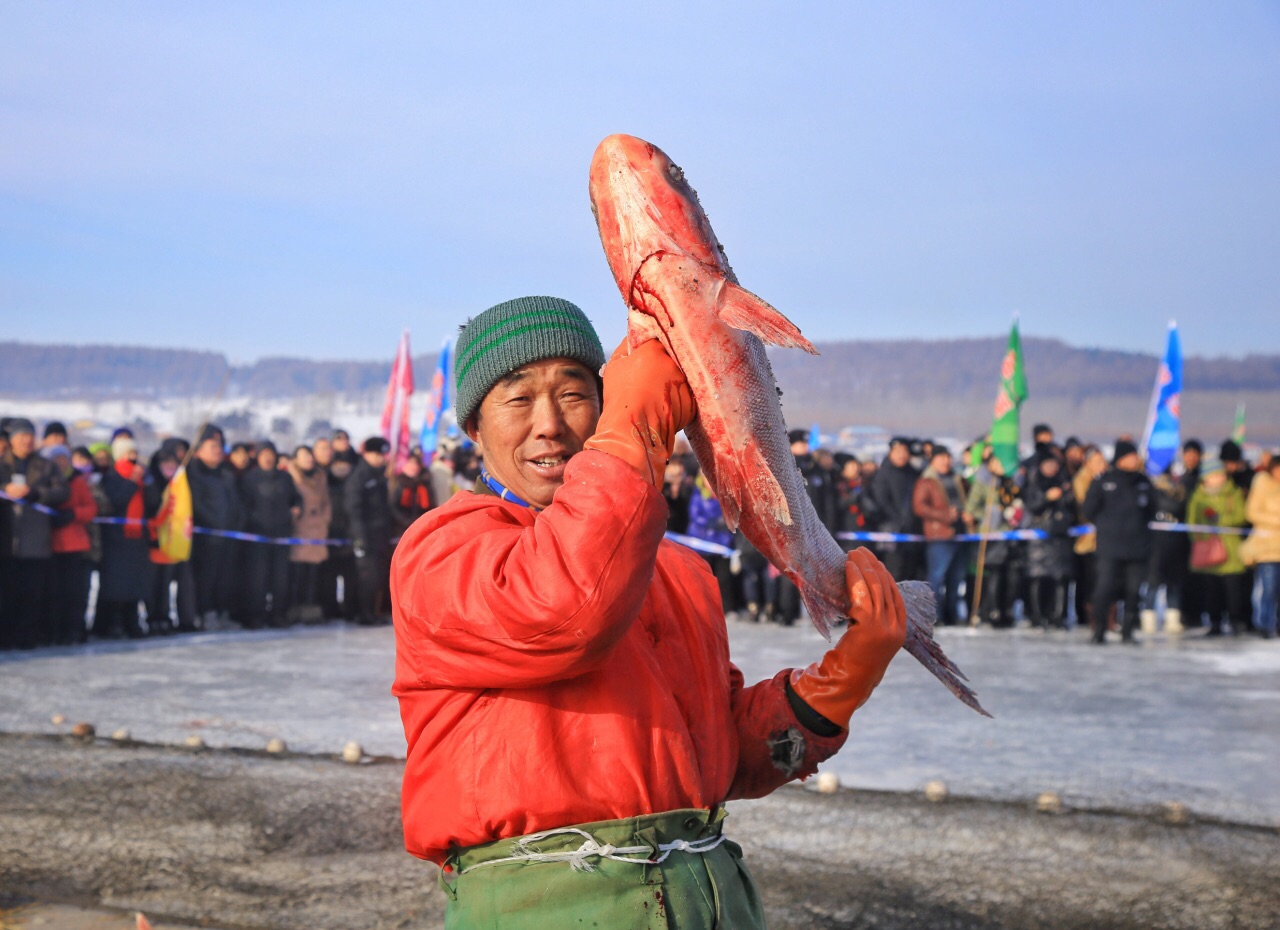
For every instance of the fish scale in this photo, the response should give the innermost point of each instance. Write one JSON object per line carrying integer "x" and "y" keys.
{"x": 679, "y": 289}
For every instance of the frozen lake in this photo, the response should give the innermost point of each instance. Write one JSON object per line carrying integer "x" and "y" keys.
{"x": 1191, "y": 720}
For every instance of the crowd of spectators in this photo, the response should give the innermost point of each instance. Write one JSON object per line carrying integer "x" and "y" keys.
{"x": 279, "y": 538}
{"x": 1095, "y": 562}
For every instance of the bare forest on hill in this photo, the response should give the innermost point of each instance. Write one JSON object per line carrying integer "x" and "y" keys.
{"x": 926, "y": 387}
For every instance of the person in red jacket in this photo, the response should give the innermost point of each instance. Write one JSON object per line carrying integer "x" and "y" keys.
{"x": 71, "y": 545}
{"x": 574, "y": 724}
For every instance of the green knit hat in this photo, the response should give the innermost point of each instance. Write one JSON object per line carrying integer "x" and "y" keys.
{"x": 513, "y": 334}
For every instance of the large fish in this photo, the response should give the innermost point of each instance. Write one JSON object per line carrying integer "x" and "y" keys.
{"x": 679, "y": 289}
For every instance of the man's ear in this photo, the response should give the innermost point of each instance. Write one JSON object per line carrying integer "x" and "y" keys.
{"x": 472, "y": 429}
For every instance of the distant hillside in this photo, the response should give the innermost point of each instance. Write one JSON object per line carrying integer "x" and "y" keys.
{"x": 51, "y": 371}
{"x": 947, "y": 387}
{"x": 927, "y": 387}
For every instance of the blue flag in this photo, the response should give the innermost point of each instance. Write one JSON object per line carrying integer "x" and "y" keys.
{"x": 437, "y": 403}
{"x": 815, "y": 438}
{"x": 1165, "y": 418}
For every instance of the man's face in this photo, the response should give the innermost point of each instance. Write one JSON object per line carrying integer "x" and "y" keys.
{"x": 323, "y": 454}
{"x": 376, "y": 459}
{"x": 209, "y": 453}
{"x": 900, "y": 454}
{"x": 22, "y": 444}
{"x": 267, "y": 459}
{"x": 55, "y": 439}
{"x": 941, "y": 463}
{"x": 800, "y": 447}
{"x": 531, "y": 424}
{"x": 851, "y": 473}
{"x": 341, "y": 442}
{"x": 1129, "y": 462}
{"x": 1190, "y": 459}
{"x": 240, "y": 458}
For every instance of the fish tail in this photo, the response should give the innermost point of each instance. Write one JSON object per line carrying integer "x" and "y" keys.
{"x": 920, "y": 643}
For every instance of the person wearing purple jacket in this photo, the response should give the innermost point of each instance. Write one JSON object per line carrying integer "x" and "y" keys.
{"x": 706, "y": 522}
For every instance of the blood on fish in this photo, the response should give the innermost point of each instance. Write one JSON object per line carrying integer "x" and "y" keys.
{"x": 665, "y": 256}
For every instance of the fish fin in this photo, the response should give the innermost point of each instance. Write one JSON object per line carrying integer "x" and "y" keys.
{"x": 731, "y": 510}
{"x": 823, "y": 611}
{"x": 742, "y": 309}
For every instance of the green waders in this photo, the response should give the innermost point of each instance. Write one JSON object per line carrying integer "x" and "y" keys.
{"x": 497, "y": 887}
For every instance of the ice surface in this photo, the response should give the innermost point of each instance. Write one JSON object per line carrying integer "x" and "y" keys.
{"x": 1196, "y": 720}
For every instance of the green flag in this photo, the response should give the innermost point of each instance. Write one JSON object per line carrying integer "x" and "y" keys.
{"x": 1237, "y": 430}
{"x": 1013, "y": 391}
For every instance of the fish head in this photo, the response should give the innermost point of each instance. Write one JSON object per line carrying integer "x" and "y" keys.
{"x": 643, "y": 204}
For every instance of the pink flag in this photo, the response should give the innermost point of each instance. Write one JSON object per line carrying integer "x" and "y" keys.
{"x": 395, "y": 412}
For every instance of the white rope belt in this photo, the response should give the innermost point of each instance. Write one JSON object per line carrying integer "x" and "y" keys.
{"x": 579, "y": 858}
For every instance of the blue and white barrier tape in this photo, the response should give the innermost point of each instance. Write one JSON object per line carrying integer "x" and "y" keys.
{"x": 693, "y": 542}
{"x": 701, "y": 545}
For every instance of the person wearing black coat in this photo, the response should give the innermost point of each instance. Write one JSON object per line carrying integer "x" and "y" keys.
{"x": 215, "y": 502}
{"x": 892, "y": 490}
{"x": 271, "y": 502}
{"x": 1051, "y": 505}
{"x": 341, "y": 563}
{"x": 26, "y": 537}
{"x": 369, "y": 516}
{"x": 1120, "y": 505}
{"x": 125, "y": 574}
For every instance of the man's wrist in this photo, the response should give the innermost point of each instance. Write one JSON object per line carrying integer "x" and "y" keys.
{"x": 806, "y": 716}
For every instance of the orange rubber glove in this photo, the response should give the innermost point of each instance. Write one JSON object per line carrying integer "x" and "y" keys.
{"x": 646, "y": 402}
{"x": 849, "y": 672}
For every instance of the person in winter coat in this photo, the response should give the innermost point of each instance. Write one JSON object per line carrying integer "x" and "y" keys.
{"x": 27, "y": 544}
{"x": 1120, "y": 505}
{"x": 1169, "y": 556}
{"x": 939, "y": 500}
{"x": 995, "y": 506}
{"x": 1219, "y": 502}
{"x": 312, "y": 522}
{"x": 706, "y": 522}
{"x": 1051, "y": 508}
{"x": 1086, "y": 545}
{"x": 271, "y": 505}
{"x": 171, "y": 606}
{"x": 215, "y": 502}
{"x": 369, "y": 512}
{"x": 563, "y": 671}
{"x": 71, "y": 568}
{"x": 677, "y": 488}
{"x": 338, "y": 571}
{"x": 1262, "y": 548}
{"x": 410, "y": 494}
{"x": 125, "y": 575}
{"x": 891, "y": 490}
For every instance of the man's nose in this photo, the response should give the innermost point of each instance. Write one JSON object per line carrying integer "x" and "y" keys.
{"x": 548, "y": 418}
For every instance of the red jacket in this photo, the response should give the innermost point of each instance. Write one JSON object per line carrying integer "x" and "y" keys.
{"x": 74, "y": 537}
{"x": 570, "y": 667}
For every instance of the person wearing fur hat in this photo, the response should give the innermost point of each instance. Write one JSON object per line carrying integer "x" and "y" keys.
{"x": 27, "y": 540}
{"x": 1120, "y": 505}
{"x": 572, "y": 716}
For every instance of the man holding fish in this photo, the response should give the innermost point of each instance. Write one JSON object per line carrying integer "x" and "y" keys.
{"x": 574, "y": 723}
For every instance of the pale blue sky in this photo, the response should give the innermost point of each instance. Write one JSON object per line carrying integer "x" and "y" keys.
{"x": 311, "y": 178}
